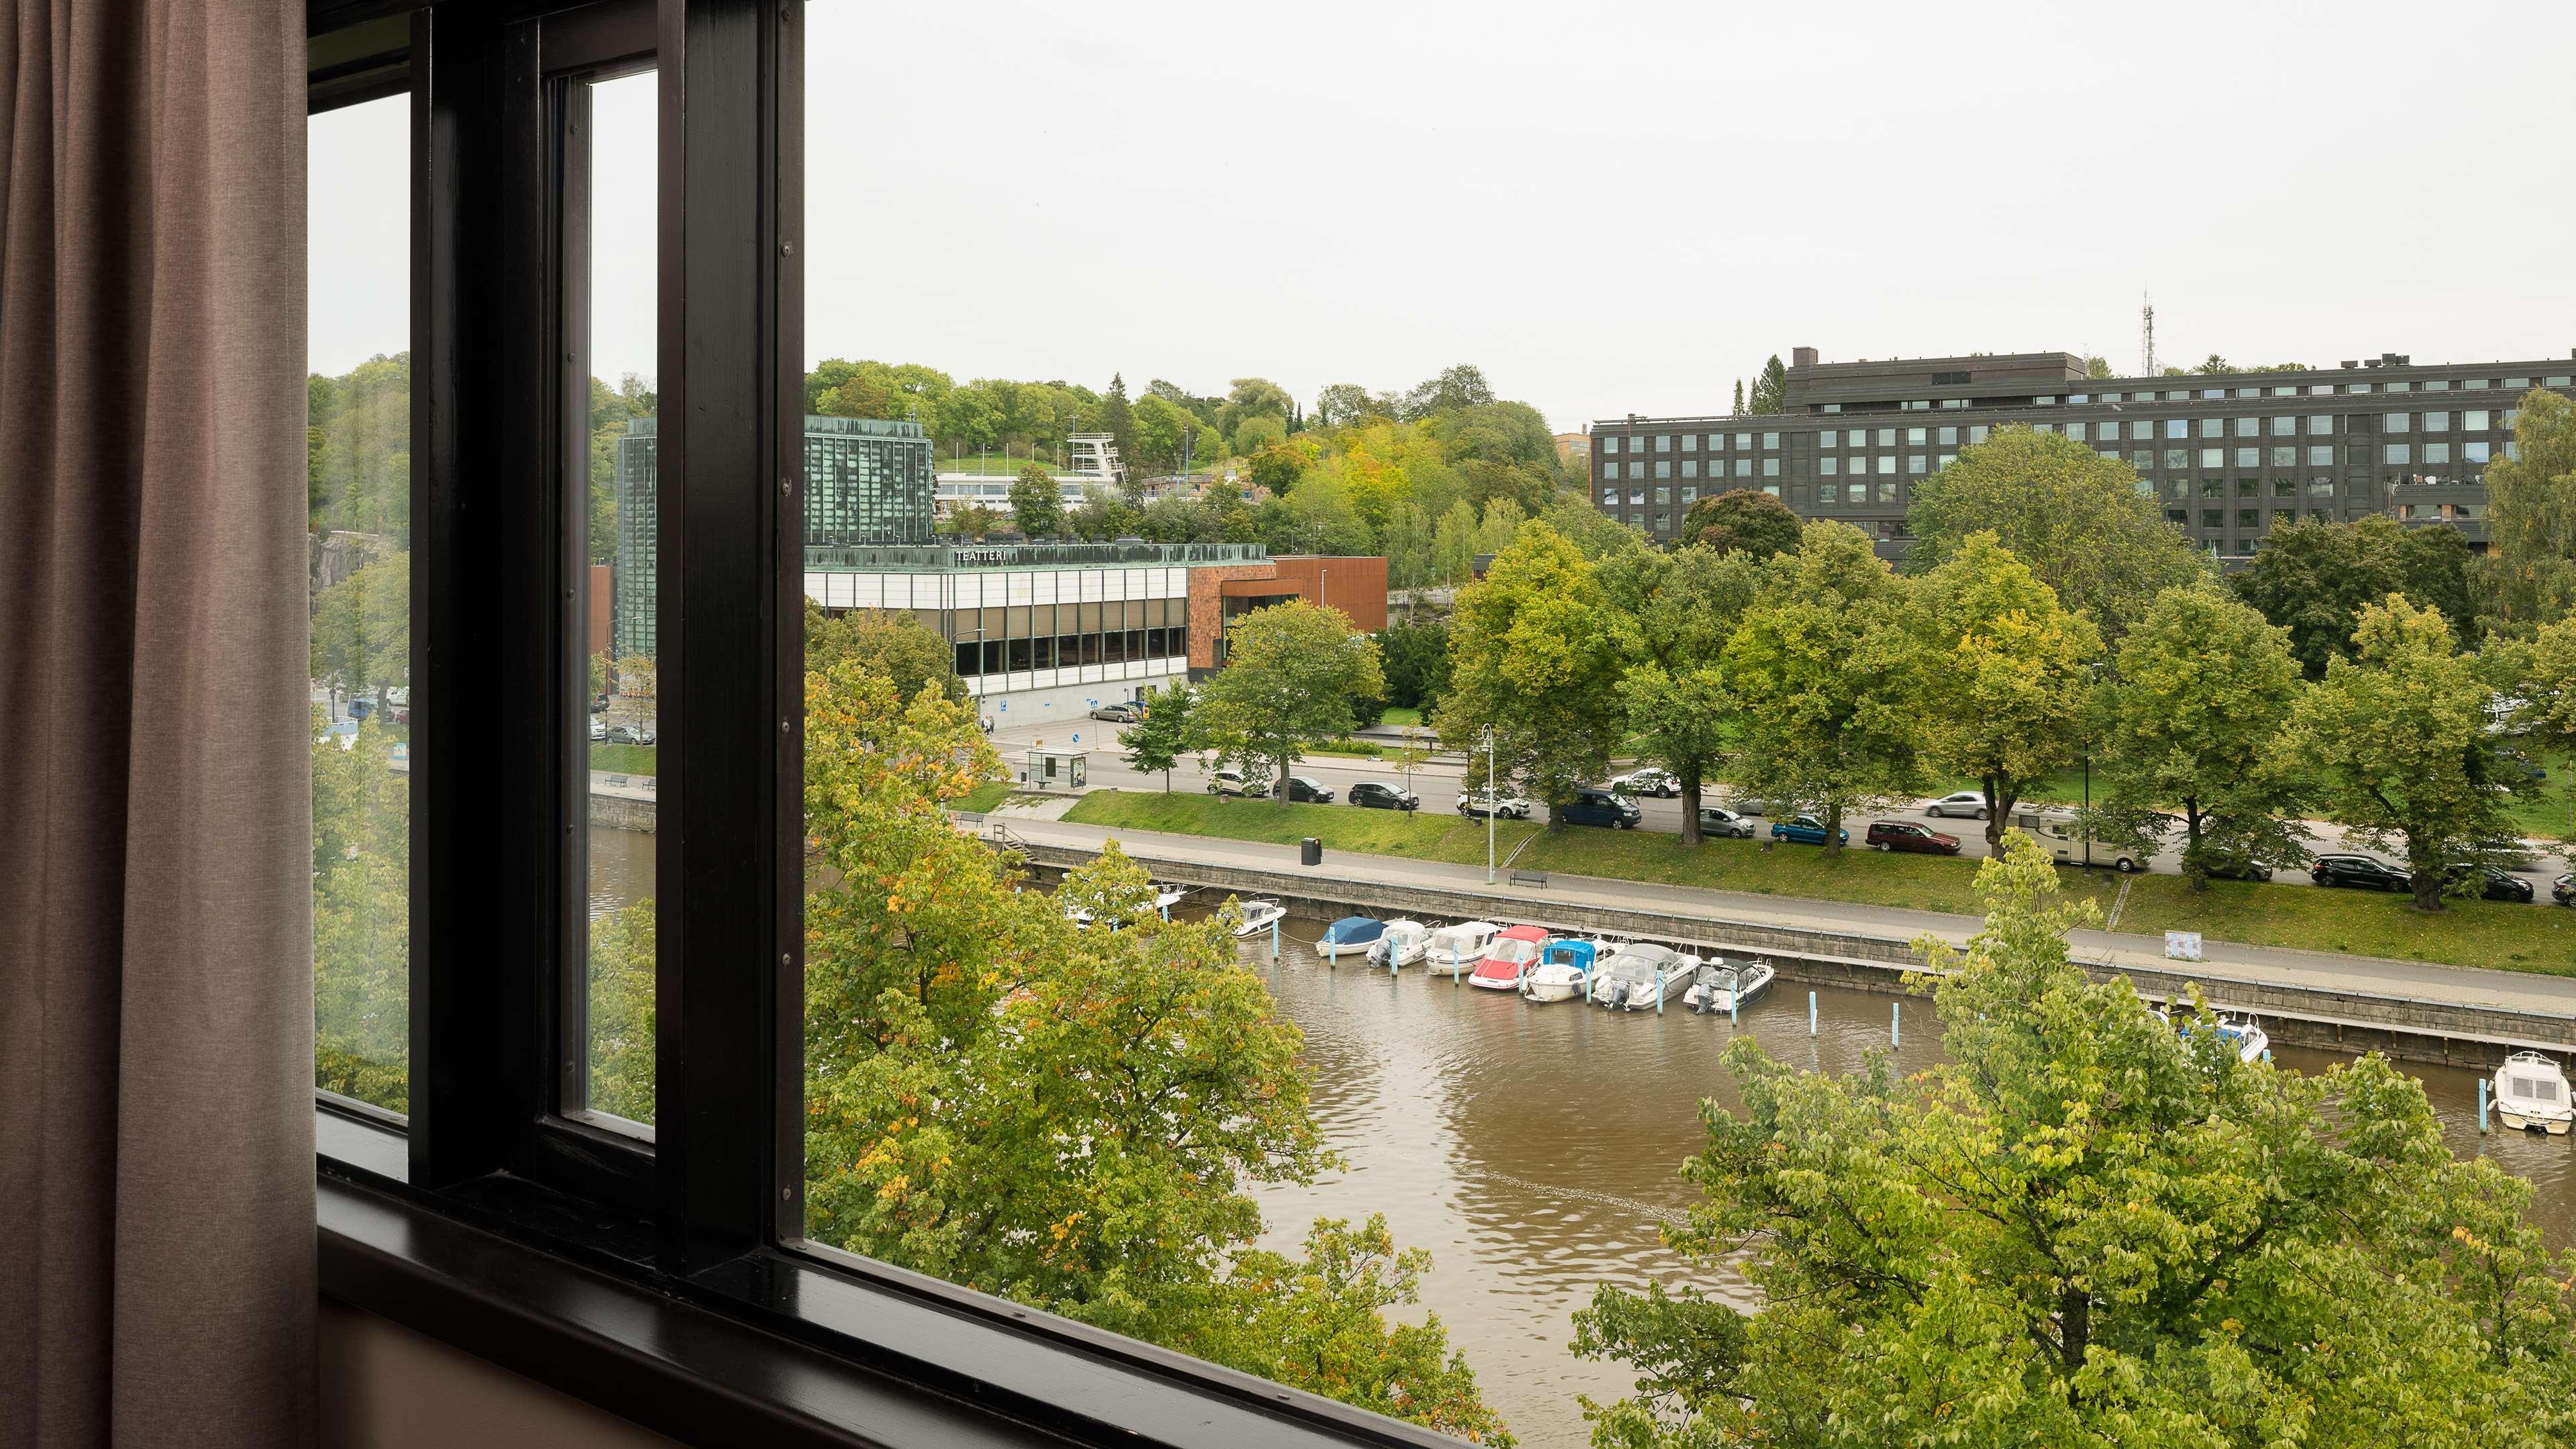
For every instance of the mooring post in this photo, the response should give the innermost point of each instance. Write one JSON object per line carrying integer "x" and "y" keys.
{"x": 1274, "y": 940}
{"x": 1735, "y": 1004}
{"x": 1659, "y": 991}
{"x": 2482, "y": 1106}
{"x": 1896, "y": 1023}
{"x": 1811, "y": 1013}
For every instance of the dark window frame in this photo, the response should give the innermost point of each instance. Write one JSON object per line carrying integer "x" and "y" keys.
{"x": 665, "y": 1281}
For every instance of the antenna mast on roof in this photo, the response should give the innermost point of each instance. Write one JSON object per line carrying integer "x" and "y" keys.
{"x": 2146, "y": 337}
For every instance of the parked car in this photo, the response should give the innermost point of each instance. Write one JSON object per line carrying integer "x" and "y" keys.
{"x": 1306, "y": 789}
{"x": 1122, "y": 712}
{"x": 1807, "y": 830}
{"x": 2226, "y": 866}
{"x": 1906, "y": 835}
{"x": 1231, "y": 781}
{"x": 2524, "y": 765}
{"x": 1371, "y": 795}
{"x": 598, "y": 704}
{"x": 1651, "y": 780}
{"x": 1748, "y": 805}
{"x": 1501, "y": 807}
{"x": 2492, "y": 883}
{"x": 598, "y": 729}
{"x": 1724, "y": 824}
{"x": 1593, "y": 805}
{"x": 2359, "y": 871}
{"x": 1966, "y": 804}
{"x": 360, "y": 708}
{"x": 2563, "y": 890}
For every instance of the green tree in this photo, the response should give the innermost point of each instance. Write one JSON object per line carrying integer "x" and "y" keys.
{"x": 1456, "y": 389}
{"x": 1290, "y": 670}
{"x": 1770, "y": 389}
{"x": 1681, "y": 607}
{"x": 1118, "y": 418}
{"x": 1820, "y": 671}
{"x": 2314, "y": 579}
{"x": 2192, "y": 720}
{"x": 358, "y": 446}
{"x": 1999, "y": 674}
{"x": 620, "y": 1027}
{"x": 1104, "y": 514}
{"x": 2082, "y": 1228}
{"x": 362, "y": 628}
{"x": 2398, "y": 744}
{"x": 1253, "y": 397}
{"x": 893, "y": 644}
{"x": 1162, "y": 427}
{"x": 361, "y": 916}
{"x": 1037, "y": 504}
{"x": 2078, "y": 520}
{"x": 1406, "y": 541}
{"x": 2530, "y": 575}
{"x": 2097, "y": 368}
{"x": 973, "y": 521}
{"x": 1745, "y": 519}
{"x": 1416, "y": 661}
{"x": 1257, "y": 432}
{"x": 1453, "y": 544}
{"x": 1535, "y": 654}
{"x": 1738, "y": 409}
{"x": 1156, "y": 742}
{"x": 1277, "y": 466}
{"x": 1343, "y": 403}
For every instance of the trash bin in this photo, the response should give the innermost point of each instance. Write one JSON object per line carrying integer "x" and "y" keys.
{"x": 1310, "y": 851}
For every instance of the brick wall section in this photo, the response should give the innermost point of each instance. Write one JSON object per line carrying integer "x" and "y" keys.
{"x": 1207, "y": 606}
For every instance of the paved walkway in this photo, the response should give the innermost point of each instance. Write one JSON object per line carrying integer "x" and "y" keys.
{"x": 2416, "y": 980}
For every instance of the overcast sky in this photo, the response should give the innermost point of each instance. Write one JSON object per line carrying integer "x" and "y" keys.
{"x": 1620, "y": 208}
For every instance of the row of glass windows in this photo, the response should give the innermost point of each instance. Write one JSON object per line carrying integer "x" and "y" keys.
{"x": 1690, "y": 468}
{"x": 1663, "y": 442}
{"x": 2285, "y": 425}
{"x": 2278, "y": 455}
{"x": 2323, "y": 389}
{"x": 1065, "y": 651}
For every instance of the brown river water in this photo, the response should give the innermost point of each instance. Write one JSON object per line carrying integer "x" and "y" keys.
{"x": 1533, "y": 1149}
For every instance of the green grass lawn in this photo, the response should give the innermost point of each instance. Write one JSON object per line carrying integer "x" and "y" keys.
{"x": 990, "y": 464}
{"x": 2538, "y": 937}
{"x": 983, "y": 797}
{"x": 1347, "y": 749}
{"x": 1397, "y": 717}
{"x": 623, "y": 759}
{"x": 1419, "y": 835}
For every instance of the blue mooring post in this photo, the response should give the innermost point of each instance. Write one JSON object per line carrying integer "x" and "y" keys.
{"x": 1274, "y": 940}
{"x": 2482, "y": 1106}
{"x": 1735, "y": 1004}
{"x": 1896, "y": 1023}
{"x": 1659, "y": 991}
{"x": 1811, "y": 1013}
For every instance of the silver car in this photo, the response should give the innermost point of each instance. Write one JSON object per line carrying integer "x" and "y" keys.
{"x": 1723, "y": 823}
{"x": 1967, "y": 804}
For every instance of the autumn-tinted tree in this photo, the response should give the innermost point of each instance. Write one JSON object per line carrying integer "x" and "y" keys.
{"x": 2314, "y": 579}
{"x": 1820, "y": 673}
{"x": 1536, "y": 653}
{"x": 2531, "y": 517}
{"x": 2075, "y": 518}
{"x": 1999, "y": 671}
{"x": 2082, "y": 1227}
{"x": 1745, "y": 520}
{"x": 2396, "y": 740}
{"x": 2190, "y": 722}
{"x": 895, "y": 645}
{"x": 1290, "y": 672}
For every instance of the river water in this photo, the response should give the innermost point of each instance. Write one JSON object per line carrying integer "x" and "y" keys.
{"x": 1533, "y": 1149}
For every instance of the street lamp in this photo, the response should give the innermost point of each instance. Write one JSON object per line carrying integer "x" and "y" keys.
{"x": 1492, "y": 804}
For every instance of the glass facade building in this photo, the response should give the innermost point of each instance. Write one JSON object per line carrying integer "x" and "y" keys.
{"x": 631, "y": 628}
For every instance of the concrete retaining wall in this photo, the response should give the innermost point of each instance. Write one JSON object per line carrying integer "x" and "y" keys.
{"x": 2349, "y": 1021}
{"x": 620, "y": 812}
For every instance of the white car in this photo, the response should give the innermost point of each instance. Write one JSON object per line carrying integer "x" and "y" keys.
{"x": 1966, "y": 804}
{"x": 1231, "y": 781}
{"x": 598, "y": 729}
{"x": 1504, "y": 807}
{"x": 1649, "y": 781}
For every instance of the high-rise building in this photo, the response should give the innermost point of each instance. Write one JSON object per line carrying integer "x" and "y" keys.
{"x": 867, "y": 482}
{"x": 2224, "y": 455}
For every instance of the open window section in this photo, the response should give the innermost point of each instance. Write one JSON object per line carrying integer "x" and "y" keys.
{"x": 610, "y": 192}
{"x": 358, "y": 491}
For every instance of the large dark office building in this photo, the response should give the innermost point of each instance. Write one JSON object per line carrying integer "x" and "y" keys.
{"x": 2224, "y": 455}
{"x": 868, "y": 481}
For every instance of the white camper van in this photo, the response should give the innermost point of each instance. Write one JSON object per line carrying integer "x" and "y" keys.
{"x": 2061, "y": 834}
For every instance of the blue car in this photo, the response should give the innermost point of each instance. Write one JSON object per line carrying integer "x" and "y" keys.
{"x": 1807, "y": 830}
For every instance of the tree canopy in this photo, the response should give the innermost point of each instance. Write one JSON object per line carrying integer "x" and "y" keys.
{"x": 1745, "y": 520}
{"x": 2084, "y": 1228}
{"x": 1290, "y": 671}
{"x": 2314, "y": 579}
{"x": 2531, "y": 516}
{"x": 1536, "y": 653}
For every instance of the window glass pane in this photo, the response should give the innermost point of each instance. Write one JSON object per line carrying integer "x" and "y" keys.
{"x": 616, "y": 615}
{"x": 358, "y": 491}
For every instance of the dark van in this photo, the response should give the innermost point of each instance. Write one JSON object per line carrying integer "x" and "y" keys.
{"x": 1594, "y": 806}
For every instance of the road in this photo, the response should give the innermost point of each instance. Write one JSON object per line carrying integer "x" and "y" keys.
{"x": 1439, "y": 786}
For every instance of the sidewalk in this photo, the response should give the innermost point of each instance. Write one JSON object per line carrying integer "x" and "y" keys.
{"x": 2317, "y": 970}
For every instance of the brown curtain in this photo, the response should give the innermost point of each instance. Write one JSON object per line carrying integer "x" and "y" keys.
{"x": 156, "y": 1153}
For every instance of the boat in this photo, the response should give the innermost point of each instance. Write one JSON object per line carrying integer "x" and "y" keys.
{"x": 1401, "y": 946}
{"x": 2531, "y": 1095}
{"x": 1259, "y": 916}
{"x": 1349, "y": 936}
{"x": 1455, "y": 950}
{"x": 2243, "y": 1034}
{"x": 1728, "y": 986}
{"x": 1513, "y": 951}
{"x": 1642, "y": 977}
{"x": 1166, "y": 897}
{"x": 1564, "y": 968}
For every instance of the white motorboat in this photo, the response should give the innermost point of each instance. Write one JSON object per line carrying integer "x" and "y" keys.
{"x": 2531, "y": 1095}
{"x": 2240, "y": 1031}
{"x": 1642, "y": 977}
{"x": 1728, "y": 986}
{"x": 1401, "y": 946}
{"x": 1455, "y": 950}
{"x": 1166, "y": 897}
{"x": 1564, "y": 965}
{"x": 1259, "y": 916}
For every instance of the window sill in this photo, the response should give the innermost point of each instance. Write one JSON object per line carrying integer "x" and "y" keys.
{"x": 772, "y": 1347}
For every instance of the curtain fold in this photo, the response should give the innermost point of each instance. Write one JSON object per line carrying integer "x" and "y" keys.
{"x": 156, "y": 1155}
